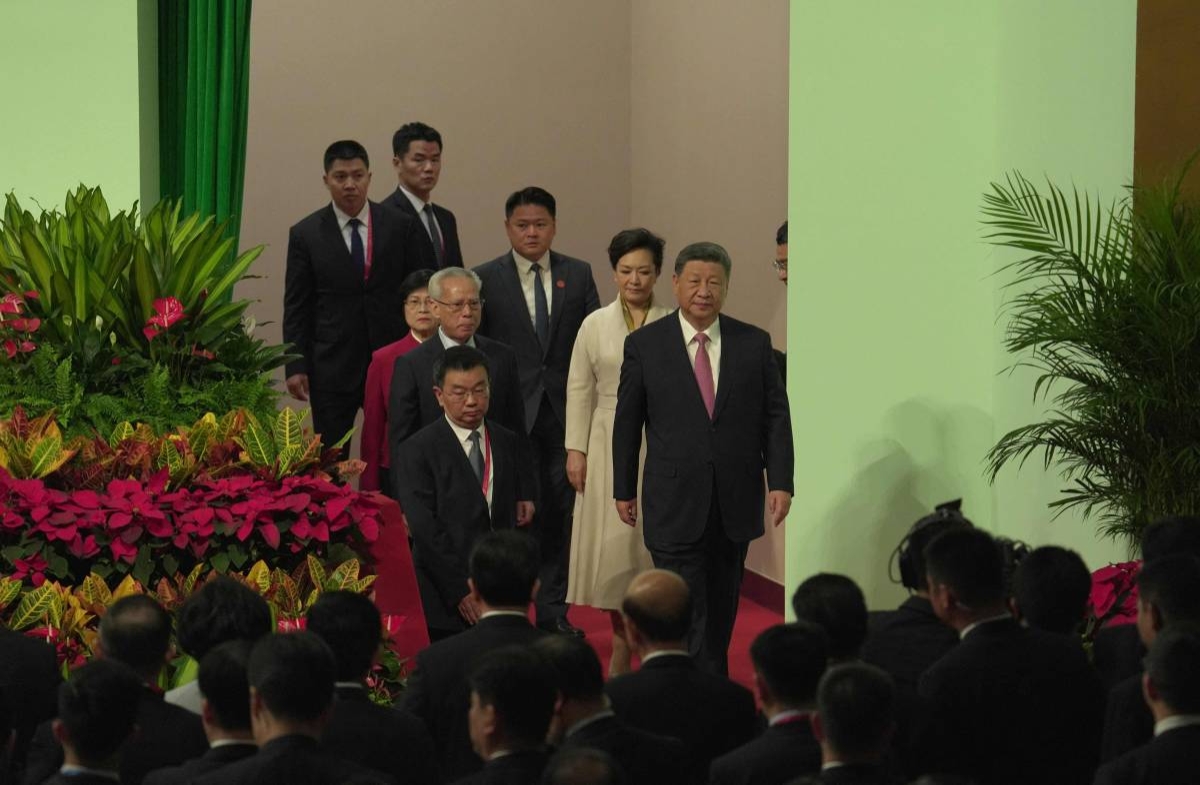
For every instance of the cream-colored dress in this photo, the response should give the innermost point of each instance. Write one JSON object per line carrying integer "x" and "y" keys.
{"x": 605, "y": 553}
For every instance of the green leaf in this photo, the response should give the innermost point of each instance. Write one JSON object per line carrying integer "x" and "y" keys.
{"x": 46, "y": 456}
{"x": 258, "y": 444}
{"x": 33, "y": 607}
{"x": 123, "y": 431}
{"x": 316, "y": 571}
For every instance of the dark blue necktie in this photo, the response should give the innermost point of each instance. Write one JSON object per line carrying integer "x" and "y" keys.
{"x": 541, "y": 313}
{"x": 357, "y": 253}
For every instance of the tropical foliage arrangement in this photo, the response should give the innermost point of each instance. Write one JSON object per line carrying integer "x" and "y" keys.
{"x": 1104, "y": 305}
{"x": 107, "y": 318}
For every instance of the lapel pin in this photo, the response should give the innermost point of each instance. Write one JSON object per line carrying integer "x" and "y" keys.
{"x": 561, "y": 284}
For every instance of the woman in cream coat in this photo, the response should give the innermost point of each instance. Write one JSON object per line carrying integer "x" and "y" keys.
{"x": 605, "y": 553}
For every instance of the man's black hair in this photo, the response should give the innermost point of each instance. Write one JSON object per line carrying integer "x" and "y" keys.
{"x": 293, "y": 673}
{"x": 351, "y": 626}
{"x": 98, "y": 706}
{"x": 1052, "y": 586}
{"x": 531, "y": 195}
{"x": 504, "y": 567}
{"x": 835, "y": 604}
{"x": 459, "y": 358}
{"x": 781, "y": 234}
{"x": 1173, "y": 534}
{"x": 574, "y": 664}
{"x": 224, "y": 685}
{"x": 512, "y": 679}
{"x": 1171, "y": 667}
{"x": 222, "y": 610}
{"x": 345, "y": 150}
{"x": 791, "y": 659}
{"x": 1172, "y": 585}
{"x": 136, "y": 631}
{"x": 970, "y": 562}
{"x": 583, "y": 766}
{"x": 856, "y": 702}
{"x": 413, "y": 132}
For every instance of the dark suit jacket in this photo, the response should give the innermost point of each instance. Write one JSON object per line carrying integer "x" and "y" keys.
{"x": 506, "y": 319}
{"x": 519, "y": 768}
{"x": 447, "y": 225}
{"x": 446, "y": 509}
{"x": 778, "y": 755}
{"x": 412, "y": 404}
{"x": 215, "y": 758}
{"x": 294, "y": 760}
{"x": 645, "y": 757}
{"x": 384, "y": 739}
{"x": 1010, "y": 704}
{"x": 1128, "y": 721}
{"x": 29, "y": 678}
{"x": 689, "y": 457}
{"x": 167, "y": 736}
{"x": 437, "y": 690}
{"x": 852, "y": 774}
{"x": 1172, "y": 758}
{"x": 906, "y": 641}
{"x": 332, "y": 317}
{"x": 79, "y": 779}
{"x": 1118, "y": 652}
{"x": 670, "y": 696}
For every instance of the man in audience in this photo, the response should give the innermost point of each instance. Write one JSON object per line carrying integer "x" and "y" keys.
{"x": 291, "y": 680}
{"x": 503, "y": 578}
{"x": 456, "y": 479}
{"x": 1168, "y": 594}
{"x": 417, "y": 158}
{"x": 583, "y": 718}
{"x": 534, "y": 301}
{"x": 789, "y": 660}
{"x": 781, "y": 269}
{"x": 854, "y": 723}
{"x": 225, "y": 712}
{"x": 585, "y": 766}
{"x": 29, "y": 679}
{"x": 136, "y": 632}
{"x": 341, "y": 295}
{"x": 836, "y": 605}
{"x": 222, "y": 610}
{"x": 412, "y": 404}
{"x": 1051, "y": 590}
{"x": 512, "y": 702}
{"x": 1008, "y": 704}
{"x": 97, "y": 714}
{"x": 384, "y": 739}
{"x": 670, "y": 695}
{"x": 1172, "y": 690}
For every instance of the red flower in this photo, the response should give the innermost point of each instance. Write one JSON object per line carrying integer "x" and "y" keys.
{"x": 33, "y": 568}
{"x": 204, "y": 353}
{"x": 11, "y": 303}
{"x": 1110, "y": 584}
{"x": 167, "y": 311}
{"x": 123, "y": 551}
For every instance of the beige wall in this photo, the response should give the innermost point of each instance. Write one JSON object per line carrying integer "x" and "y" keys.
{"x": 667, "y": 113}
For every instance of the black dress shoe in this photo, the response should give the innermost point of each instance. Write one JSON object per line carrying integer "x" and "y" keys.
{"x": 562, "y": 627}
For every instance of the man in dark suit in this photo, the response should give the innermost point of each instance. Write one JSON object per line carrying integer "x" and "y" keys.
{"x": 504, "y": 569}
{"x": 789, "y": 660}
{"x": 291, "y": 695}
{"x": 670, "y": 695}
{"x": 29, "y": 679}
{"x": 341, "y": 296}
{"x": 412, "y": 403}
{"x": 512, "y": 702}
{"x": 534, "y": 301}
{"x": 584, "y": 766}
{"x": 417, "y": 158}
{"x": 1172, "y": 690}
{"x": 706, "y": 390}
{"x": 97, "y": 714}
{"x": 1051, "y": 588}
{"x": 456, "y": 479}
{"x": 781, "y": 269}
{"x": 383, "y": 738}
{"x": 136, "y": 632}
{"x": 1168, "y": 594}
{"x": 584, "y": 720}
{"x": 225, "y": 712}
{"x": 836, "y": 605}
{"x": 1008, "y": 704}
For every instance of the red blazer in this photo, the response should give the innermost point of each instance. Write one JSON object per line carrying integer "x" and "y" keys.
{"x": 374, "y": 449}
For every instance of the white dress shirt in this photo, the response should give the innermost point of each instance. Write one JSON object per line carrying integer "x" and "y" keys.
{"x": 525, "y": 272}
{"x": 364, "y": 216}
{"x": 464, "y": 438}
{"x": 714, "y": 345}
{"x": 419, "y": 205}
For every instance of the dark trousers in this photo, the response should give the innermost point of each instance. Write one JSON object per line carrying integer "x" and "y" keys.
{"x": 555, "y": 508}
{"x": 333, "y": 413}
{"x": 712, "y": 568}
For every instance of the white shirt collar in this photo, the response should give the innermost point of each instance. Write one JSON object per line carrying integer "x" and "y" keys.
{"x": 970, "y": 627}
{"x": 586, "y": 721}
{"x": 417, "y": 202}
{"x": 786, "y": 716}
{"x": 490, "y": 614}
{"x": 233, "y": 743}
{"x": 689, "y": 332}
{"x": 665, "y": 653}
{"x": 450, "y": 343}
{"x": 464, "y": 434}
{"x": 364, "y": 215}
{"x": 1176, "y": 721}
{"x": 525, "y": 265}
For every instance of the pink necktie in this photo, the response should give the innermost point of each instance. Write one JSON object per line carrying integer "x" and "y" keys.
{"x": 704, "y": 376}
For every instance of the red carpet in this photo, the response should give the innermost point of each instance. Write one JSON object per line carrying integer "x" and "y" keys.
{"x": 752, "y": 619}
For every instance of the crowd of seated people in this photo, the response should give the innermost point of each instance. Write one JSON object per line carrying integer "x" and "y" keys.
{"x": 981, "y": 676}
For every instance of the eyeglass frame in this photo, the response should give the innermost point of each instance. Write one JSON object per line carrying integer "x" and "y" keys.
{"x": 456, "y": 307}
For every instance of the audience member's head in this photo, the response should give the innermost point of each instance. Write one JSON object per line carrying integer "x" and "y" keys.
{"x": 503, "y": 569}
{"x": 97, "y": 712}
{"x": 1172, "y": 535}
{"x": 583, "y": 766}
{"x": 909, "y": 556}
{"x": 529, "y": 220}
{"x": 351, "y": 626}
{"x": 657, "y": 610}
{"x": 225, "y": 690}
{"x": 462, "y": 385}
{"x": 965, "y": 570}
{"x": 789, "y": 660}
{"x": 1171, "y": 684}
{"x": 136, "y": 631}
{"x": 855, "y": 713}
{"x": 1168, "y": 594}
{"x": 1051, "y": 589}
{"x": 222, "y": 610}
{"x": 835, "y": 604}
{"x": 578, "y": 677}
{"x": 291, "y": 679}
{"x": 781, "y": 252}
{"x": 512, "y": 701}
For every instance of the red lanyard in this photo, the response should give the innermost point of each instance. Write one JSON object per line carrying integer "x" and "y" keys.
{"x": 487, "y": 461}
{"x": 370, "y": 246}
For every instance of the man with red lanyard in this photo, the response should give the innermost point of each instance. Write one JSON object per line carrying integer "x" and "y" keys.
{"x": 341, "y": 297}
{"x": 458, "y": 479}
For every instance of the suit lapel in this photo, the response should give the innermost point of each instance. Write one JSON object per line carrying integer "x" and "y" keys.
{"x": 381, "y": 237}
{"x": 558, "y": 293}
{"x": 332, "y": 235}
{"x": 460, "y": 462}
{"x": 516, "y": 295}
{"x": 728, "y": 362}
{"x": 402, "y": 204}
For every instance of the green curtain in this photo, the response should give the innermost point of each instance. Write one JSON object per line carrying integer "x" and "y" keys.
{"x": 203, "y": 92}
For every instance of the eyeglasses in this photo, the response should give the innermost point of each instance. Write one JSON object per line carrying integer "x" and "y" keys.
{"x": 471, "y": 305}
{"x": 779, "y": 264}
{"x": 417, "y": 302}
{"x": 479, "y": 394}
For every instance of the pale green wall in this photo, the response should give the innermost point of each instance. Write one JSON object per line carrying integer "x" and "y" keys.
{"x": 71, "y": 109}
{"x": 900, "y": 116}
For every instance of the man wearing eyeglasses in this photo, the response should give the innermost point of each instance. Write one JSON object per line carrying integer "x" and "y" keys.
{"x": 457, "y": 478}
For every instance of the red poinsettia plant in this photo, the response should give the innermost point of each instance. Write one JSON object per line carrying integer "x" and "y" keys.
{"x": 1114, "y": 597}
